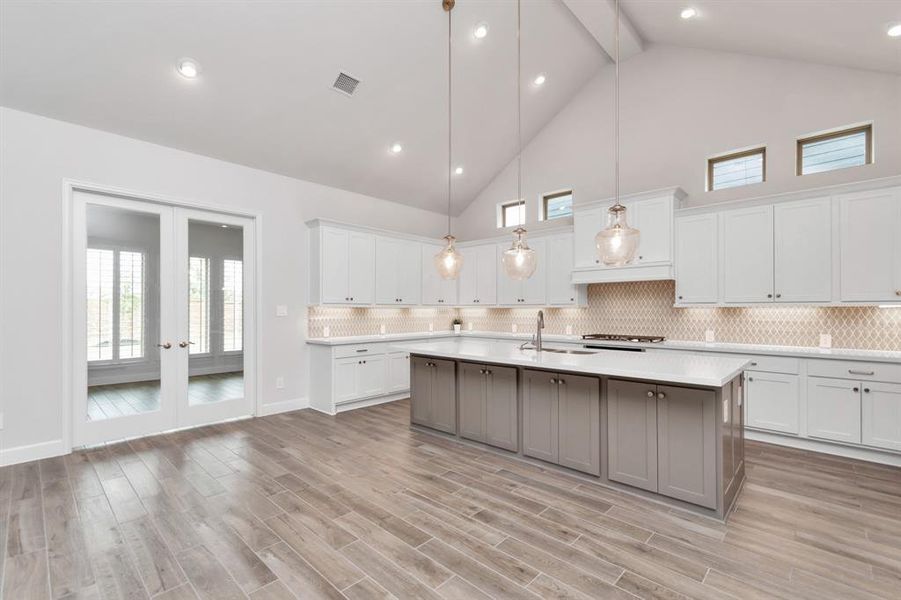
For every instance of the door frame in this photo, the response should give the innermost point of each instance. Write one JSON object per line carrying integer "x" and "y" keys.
{"x": 67, "y": 318}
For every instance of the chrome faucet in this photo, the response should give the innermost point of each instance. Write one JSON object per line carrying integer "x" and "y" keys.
{"x": 538, "y": 329}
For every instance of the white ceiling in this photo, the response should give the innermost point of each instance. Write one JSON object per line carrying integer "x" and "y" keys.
{"x": 849, "y": 33}
{"x": 264, "y": 97}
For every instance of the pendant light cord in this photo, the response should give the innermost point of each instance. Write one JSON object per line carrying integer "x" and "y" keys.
{"x": 449, "y": 122}
{"x": 519, "y": 108}
{"x": 616, "y": 108}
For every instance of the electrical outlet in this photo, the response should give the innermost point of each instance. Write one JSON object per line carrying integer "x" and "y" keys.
{"x": 1, "y": 420}
{"x": 281, "y": 310}
{"x": 279, "y": 383}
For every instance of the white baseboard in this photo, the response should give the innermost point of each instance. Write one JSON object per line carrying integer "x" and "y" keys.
{"x": 21, "y": 454}
{"x": 871, "y": 455}
{"x": 273, "y": 408}
{"x": 371, "y": 402}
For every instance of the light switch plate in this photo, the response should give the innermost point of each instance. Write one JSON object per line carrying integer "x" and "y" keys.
{"x": 825, "y": 340}
{"x": 514, "y": 328}
{"x": 709, "y": 336}
{"x": 281, "y": 310}
{"x": 279, "y": 383}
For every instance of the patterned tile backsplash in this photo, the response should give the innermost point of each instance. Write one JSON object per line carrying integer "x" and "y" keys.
{"x": 639, "y": 308}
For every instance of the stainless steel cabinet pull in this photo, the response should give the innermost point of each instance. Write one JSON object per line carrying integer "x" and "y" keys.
{"x": 165, "y": 346}
{"x": 553, "y": 380}
{"x": 184, "y": 344}
{"x": 858, "y": 372}
{"x": 487, "y": 371}
{"x": 561, "y": 382}
{"x": 650, "y": 393}
{"x": 661, "y": 395}
{"x": 753, "y": 364}
{"x": 363, "y": 350}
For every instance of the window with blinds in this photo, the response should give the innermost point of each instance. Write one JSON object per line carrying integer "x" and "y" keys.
{"x": 199, "y": 304}
{"x": 837, "y": 150}
{"x": 232, "y": 305}
{"x": 736, "y": 169}
{"x": 115, "y": 304}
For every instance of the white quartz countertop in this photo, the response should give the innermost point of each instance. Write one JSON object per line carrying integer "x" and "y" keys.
{"x": 687, "y": 369}
{"x": 719, "y": 347}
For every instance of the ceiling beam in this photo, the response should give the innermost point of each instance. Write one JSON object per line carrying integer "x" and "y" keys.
{"x": 598, "y": 18}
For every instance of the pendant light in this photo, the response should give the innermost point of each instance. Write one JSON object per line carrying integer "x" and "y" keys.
{"x": 617, "y": 243}
{"x": 519, "y": 260}
{"x": 449, "y": 261}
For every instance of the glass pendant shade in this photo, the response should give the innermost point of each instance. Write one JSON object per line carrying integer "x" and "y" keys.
{"x": 449, "y": 261}
{"x": 519, "y": 260}
{"x": 617, "y": 243}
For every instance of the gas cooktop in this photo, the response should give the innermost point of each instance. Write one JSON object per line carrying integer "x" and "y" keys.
{"x": 617, "y": 337}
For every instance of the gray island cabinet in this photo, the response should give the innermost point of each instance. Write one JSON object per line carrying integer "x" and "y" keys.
{"x": 667, "y": 429}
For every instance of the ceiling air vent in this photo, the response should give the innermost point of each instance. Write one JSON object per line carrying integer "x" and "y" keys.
{"x": 346, "y": 84}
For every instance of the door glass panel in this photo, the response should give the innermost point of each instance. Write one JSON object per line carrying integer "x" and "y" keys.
{"x": 215, "y": 312}
{"x": 123, "y": 312}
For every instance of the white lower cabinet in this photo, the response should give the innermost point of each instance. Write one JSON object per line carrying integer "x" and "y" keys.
{"x": 398, "y": 371}
{"x": 772, "y": 402}
{"x": 881, "y": 415}
{"x": 833, "y": 409}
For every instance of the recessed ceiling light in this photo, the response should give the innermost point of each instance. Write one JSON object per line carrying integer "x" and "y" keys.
{"x": 188, "y": 68}
{"x": 480, "y": 31}
{"x": 540, "y": 79}
{"x": 894, "y": 30}
{"x": 396, "y": 148}
{"x": 688, "y": 13}
{"x": 458, "y": 170}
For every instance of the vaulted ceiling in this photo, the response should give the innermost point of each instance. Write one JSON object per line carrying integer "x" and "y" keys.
{"x": 264, "y": 96}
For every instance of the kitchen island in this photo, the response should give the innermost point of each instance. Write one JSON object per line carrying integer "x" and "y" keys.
{"x": 666, "y": 426}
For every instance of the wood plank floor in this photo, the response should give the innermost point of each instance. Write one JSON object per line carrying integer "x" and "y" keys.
{"x": 359, "y": 506}
{"x": 122, "y": 399}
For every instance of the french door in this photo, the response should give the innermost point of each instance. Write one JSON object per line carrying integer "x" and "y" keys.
{"x": 163, "y": 313}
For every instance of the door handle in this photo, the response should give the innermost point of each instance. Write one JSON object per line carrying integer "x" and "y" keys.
{"x": 165, "y": 346}
{"x": 184, "y": 344}
{"x": 661, "y": 395}
{"x": 553, "y": 380}
{"x": 650, "y": 393}
{"x": 561, "y": 382}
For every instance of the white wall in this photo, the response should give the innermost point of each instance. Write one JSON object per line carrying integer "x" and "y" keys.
{"x": 37, "y": 153}
{"x": 680, "y": 106}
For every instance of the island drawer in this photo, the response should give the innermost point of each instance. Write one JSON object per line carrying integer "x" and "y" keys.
{"x": 860, "y": 371}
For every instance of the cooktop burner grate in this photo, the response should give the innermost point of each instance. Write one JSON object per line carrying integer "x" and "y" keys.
{"x": 617, "y": 337}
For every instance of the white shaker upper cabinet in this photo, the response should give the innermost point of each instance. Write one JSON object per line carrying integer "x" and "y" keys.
{"x": 803, "y": 251}
{"x": 654, "y": 220}
{"x": 343, "y": 267}
{"x": 398, "y": 273}
{"x": 696, "y": 259}
{"x": 587, "y": 222}
{"x": 478, "y": 278}
{"x": 871, "y": 246}
{"x": 511, "y": 292}
{"x": 746, "y": 239}
{"x": 436, "y": 290}
{"x": 560, "y": 289}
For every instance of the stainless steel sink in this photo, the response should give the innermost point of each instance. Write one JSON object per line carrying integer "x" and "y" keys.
{"x": 567, "y": 351}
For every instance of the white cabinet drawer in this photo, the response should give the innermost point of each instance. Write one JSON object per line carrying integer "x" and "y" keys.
{"x": 775, "y": 364}
{"x": 357, "y": 350}
{"x": 859, "y": 371}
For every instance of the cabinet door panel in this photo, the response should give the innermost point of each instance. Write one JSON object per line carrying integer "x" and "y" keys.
{"x": 468, "y": 287}
{"x": 346, "y": 379}
{"x": 398, "y": 372}
{"x": 803, "y": 251}
{"x": 747, "y": 265}
{"x": 421, "y": 391}
{"x": 559, "y": 258}
{"x": 881, "y": 405}
{"x": 870, "y": 246}
{"x": 372, "y": 372}
{"x": 335, "y": 262}
{"x": 773, "y": 402}
{"x": 486, "y": 274}
{"x": 501, "y": 414}
{"x": 686, "y": 452}
{"x": 697, "y": 250}
{"x": 534, "y": 289}
{"x": 654, "y": 218}
{"x": 632, "y": 433}
{"x": 387, "y": 270}
{"x": 361, "y": 269}
{"x": 586, "y": 224}
{"x": 444, "y": 396}
{"x": 833, "y": 409}
{"x": 472, "y": 401}
{"x": 409, "y": 265}
{"x": 539, "y": 416}
{"x": 509, "y": 291}
{"x": 580, "y": 423}
{"x": 431, "y": 287}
